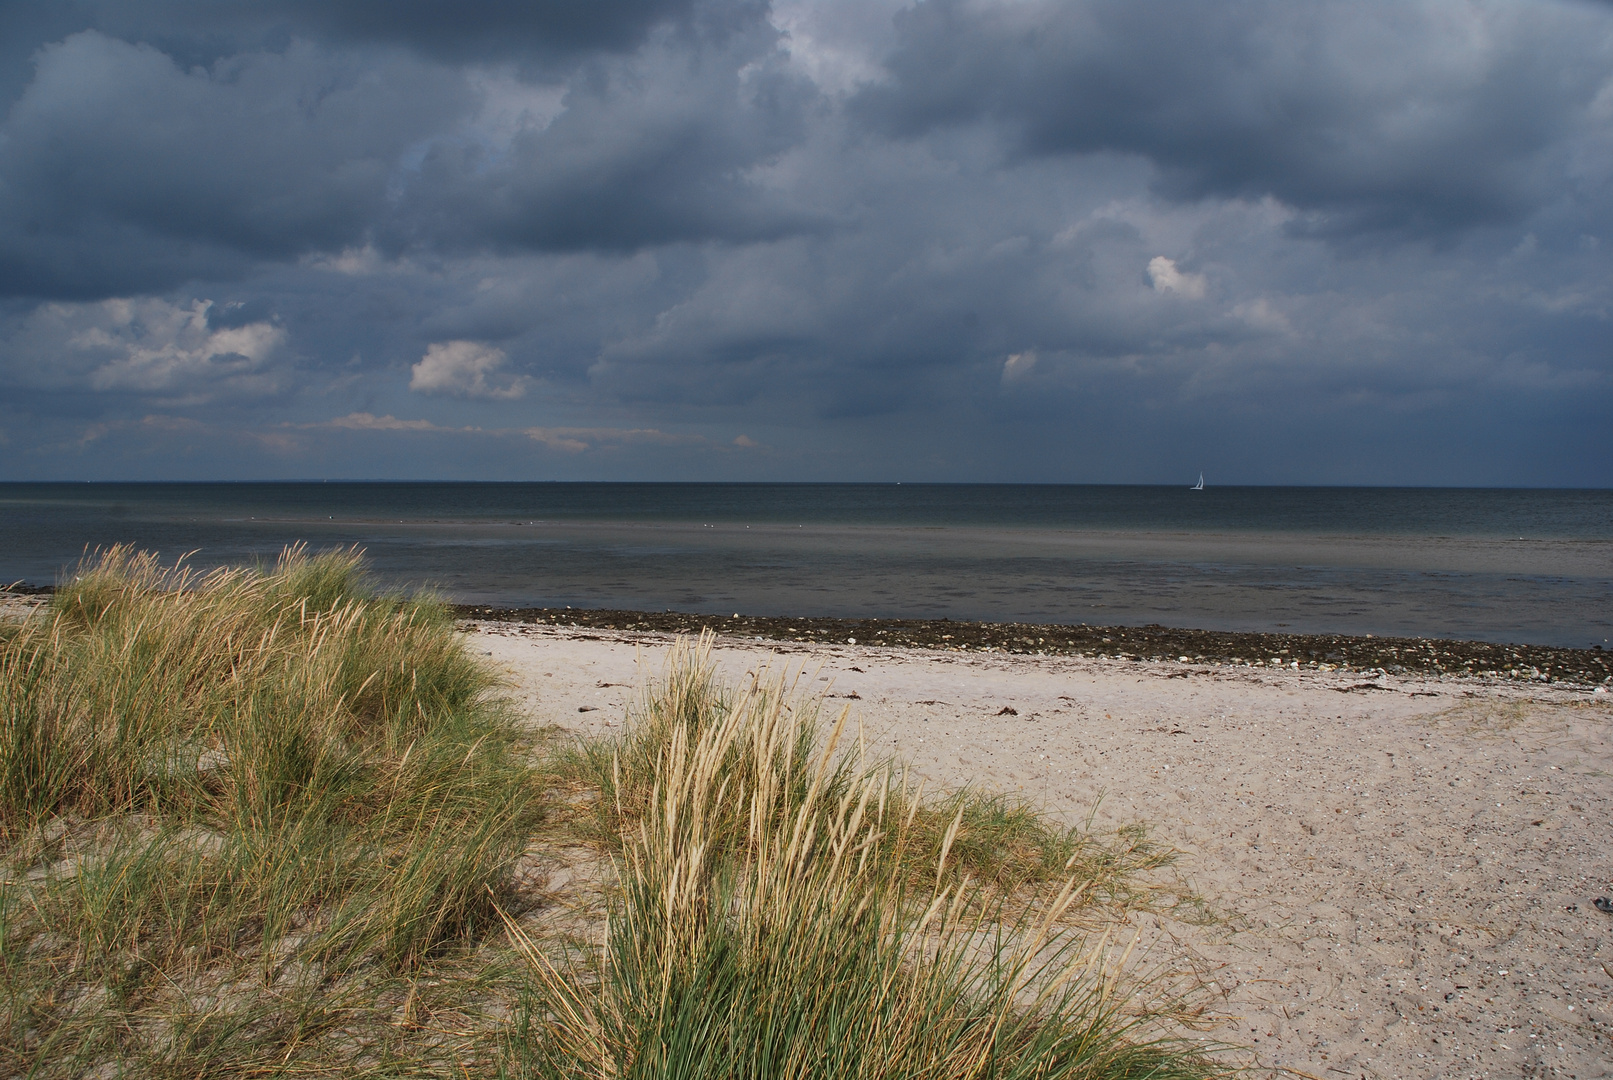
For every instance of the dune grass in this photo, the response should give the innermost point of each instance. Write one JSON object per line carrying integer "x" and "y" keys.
{"x": 999, "y": 842}
{"x": 787, "y": 909}
{"x": 265, "y": 822}
{"x": 242, "y": 810}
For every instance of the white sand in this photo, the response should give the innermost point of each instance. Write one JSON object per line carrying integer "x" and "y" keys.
{"x": 1406, "y": 871}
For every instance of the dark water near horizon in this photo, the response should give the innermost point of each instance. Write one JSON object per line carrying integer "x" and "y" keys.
{"x": 1499, "y": 565}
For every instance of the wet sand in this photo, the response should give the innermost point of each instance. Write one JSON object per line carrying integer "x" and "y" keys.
{"x": 1401, "y": 867}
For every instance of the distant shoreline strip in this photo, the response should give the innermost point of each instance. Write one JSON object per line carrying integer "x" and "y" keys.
{"x": 1390, "y": 655}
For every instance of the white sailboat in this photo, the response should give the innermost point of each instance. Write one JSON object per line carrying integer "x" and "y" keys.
{"x": 1198, "y": 486}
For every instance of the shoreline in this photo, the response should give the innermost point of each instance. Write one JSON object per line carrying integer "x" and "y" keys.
{"x": 1489, "y": 662}
{"x": 1509, "y": 664}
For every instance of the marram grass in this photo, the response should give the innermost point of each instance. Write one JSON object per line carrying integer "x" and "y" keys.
{"x": 242, "y": 813}
{"x": 265, "y": 822}
{"x": 770, "y": 924}
{"x": 1000, "y": 842}
{"x": 232, "y": 694}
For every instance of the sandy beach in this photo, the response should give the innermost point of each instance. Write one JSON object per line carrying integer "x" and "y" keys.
{"x": 1400, "y": 869}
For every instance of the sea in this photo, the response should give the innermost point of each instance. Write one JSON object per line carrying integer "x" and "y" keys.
{"x": 1528, "y": 566}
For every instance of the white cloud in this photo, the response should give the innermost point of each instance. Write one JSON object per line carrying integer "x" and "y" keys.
{"x": 1166, "y": 278}
{"x": 156, "y": 346}
{"x": 462, "y": 369}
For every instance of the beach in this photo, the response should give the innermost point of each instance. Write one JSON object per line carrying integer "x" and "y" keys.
{"x": 1380, "y": 874}
{"x": 1394, "y": 873}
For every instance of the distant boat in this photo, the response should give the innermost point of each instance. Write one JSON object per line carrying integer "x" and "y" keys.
{"x": 1198, "y": 486}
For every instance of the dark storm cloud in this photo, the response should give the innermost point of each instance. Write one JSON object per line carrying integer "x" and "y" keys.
{"x": 124, "y": 173}
{"x": 476, "y": 30}
{"x": 656, "y": 151}
{"x": 447, "y": 29}
{"x": 1411, "y": 117}
{"x": 955, "y": 240}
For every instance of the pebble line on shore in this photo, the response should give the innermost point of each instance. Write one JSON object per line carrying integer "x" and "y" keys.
{"x": 1390, "y": 655}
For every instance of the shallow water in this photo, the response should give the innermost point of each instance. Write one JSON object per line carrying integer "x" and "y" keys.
{"x": 1532, "y": 566}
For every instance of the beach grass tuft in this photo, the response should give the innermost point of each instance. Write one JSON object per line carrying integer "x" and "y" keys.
{"x": 786, "y": 910}
{"x": 992, "y": 838}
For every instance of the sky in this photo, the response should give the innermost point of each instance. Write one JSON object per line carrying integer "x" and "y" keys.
{"x": 1091, "y": 241}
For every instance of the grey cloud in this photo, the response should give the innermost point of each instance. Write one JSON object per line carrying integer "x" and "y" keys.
{"x": 480, "y": 28}
{"x": 234, "y": 314}
{"x": 123, "y": 173}
{"x": 126, "y": 172}
{"x": 943, "y": 272}
{"x": 1381, "y": 116}
{"x": 655, "y": 149}
{"x": 455, "y": 30}
{"x": 919, "y": 317}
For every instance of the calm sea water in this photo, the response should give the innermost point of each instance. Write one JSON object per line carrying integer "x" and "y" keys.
{"x": 1502, "y": 565}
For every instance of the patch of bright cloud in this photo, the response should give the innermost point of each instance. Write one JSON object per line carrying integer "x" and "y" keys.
{"x": 363, "y": 261}
{"x": 363, "y": 421}
{"x": 1018, "y": 365}
{"x": 464, "y": 369}
{"x": 1262, "y": 315}
{"x": 157, "y": 346}
{"x": 557, "y": 440}
{"x": 1167, "y": 278}
{"x": 836, "y": 44}
{"x": 577, "y": 440}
